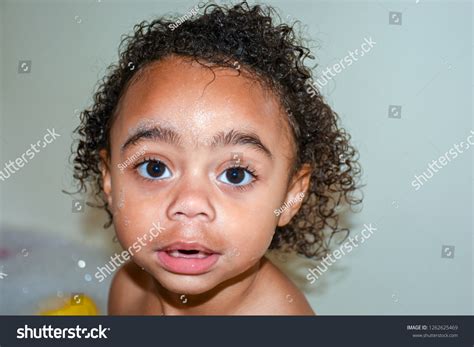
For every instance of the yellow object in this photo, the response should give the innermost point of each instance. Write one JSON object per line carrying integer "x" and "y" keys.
{"x": 78, "y": 305}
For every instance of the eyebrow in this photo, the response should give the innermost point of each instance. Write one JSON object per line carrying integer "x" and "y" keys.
{"x": 156, "y": 133}
{"x": 236, "y": 137}
{"x": 222, "y": 139}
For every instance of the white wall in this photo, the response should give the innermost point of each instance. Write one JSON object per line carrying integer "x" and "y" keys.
{"x": 425, "y": 65}
{"x": 2, "y": 143}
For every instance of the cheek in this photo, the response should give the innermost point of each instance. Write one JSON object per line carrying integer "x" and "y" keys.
{"x": 249, "y": 226}
{"x": 125, "y": 227}
{"x": 133, "y": 217}
{"x": 250, "y": 234}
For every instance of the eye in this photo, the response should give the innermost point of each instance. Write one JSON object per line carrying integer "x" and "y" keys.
{"x": 237, "y": 176}
{"x": 154, "y": 170}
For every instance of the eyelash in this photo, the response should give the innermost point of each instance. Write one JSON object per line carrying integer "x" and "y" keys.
{"x": 143, "y": 161}
{"x": 242, "y": 188}
{"x": 250, "y": 170}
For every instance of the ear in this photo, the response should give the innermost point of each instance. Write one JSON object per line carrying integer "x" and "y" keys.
{"x": 298, "y": 187}
{"x": 106, "y": 179}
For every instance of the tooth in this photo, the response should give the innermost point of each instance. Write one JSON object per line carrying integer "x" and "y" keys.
{"x": 174, "y": 253}
{"x": 177, "y": 254}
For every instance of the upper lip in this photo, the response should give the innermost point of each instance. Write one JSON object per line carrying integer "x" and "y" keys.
{"x": 186, "y": 246}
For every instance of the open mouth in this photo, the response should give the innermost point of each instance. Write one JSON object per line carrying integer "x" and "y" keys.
{"x": 188, "y": 253}
{"x": 187, "y": 258}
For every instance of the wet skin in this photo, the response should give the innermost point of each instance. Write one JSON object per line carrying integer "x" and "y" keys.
{"x": 181, "y": 124}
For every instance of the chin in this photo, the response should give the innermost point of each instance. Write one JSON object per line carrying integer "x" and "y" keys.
{"x": 187, "y": 284}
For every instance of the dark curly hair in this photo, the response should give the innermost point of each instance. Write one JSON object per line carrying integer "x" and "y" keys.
{"x": 251, "y": 36}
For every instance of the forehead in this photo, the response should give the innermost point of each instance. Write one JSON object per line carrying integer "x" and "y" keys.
{"x": 198, "y": 102}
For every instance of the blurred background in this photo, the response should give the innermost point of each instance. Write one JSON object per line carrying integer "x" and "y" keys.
{"x": 406, "y": 102}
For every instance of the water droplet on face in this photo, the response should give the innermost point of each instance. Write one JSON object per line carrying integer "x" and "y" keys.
{"x": 235, "y": 252}
{"x": 81, "y": 264}
{"x": 121, "y": 202}
{"x": 88, "y": 277}
{"x": 78, "y": 19}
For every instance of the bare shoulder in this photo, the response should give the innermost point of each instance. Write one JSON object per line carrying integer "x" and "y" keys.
{"x": 127, "y": 290}
{"x": 281, "y": 296}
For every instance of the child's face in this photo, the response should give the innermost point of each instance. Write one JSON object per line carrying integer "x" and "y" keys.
{"x": 176, "y": 114}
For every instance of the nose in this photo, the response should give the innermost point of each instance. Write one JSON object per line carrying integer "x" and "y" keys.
{"x": 191, "y": 201}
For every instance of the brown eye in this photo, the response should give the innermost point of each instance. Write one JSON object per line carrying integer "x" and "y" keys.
{"x": 154, "y": 169}
{"x": 237, "y": 176}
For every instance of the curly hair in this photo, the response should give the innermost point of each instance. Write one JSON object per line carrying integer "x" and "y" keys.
{"x": 251, "y": 36}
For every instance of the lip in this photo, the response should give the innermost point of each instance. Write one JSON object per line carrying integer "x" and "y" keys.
{"x": 187, "y": 263}
{"x": 187, "y": 246}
